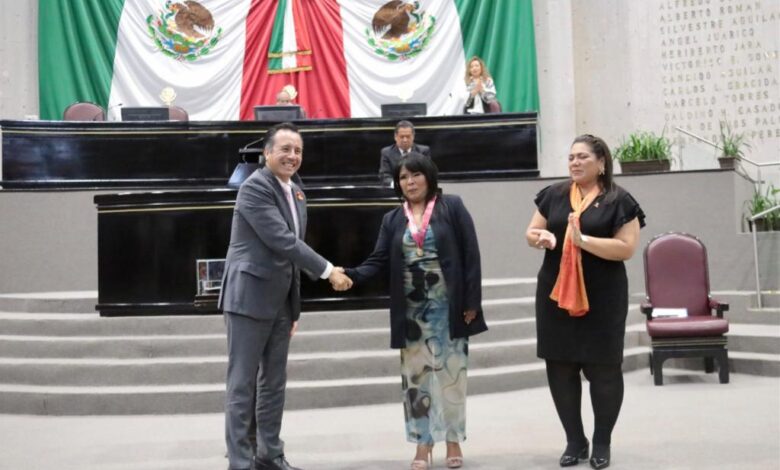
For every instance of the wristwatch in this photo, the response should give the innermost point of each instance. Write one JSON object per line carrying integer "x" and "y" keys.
{"x": 584, "y": 238}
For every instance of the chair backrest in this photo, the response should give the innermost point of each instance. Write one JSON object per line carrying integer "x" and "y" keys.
{"x": 84, "y": 111}
{"x": 493, "y": 107}
{"x": 177, "y": 113}
{"x": 676, "y": 274}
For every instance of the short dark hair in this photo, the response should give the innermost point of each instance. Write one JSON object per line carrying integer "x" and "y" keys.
{"x": 271, "y": 133}
{"x": 404, "y": 124}
{"x": 601, "y": 150}
{"x": 417, "y": 162}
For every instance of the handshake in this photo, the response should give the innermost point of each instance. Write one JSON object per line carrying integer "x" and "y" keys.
{"x": 338, "y": 280}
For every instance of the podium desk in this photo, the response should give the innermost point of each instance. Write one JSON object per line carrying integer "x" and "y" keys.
{"x": 149, "y": 244}
{"x": 97, "y": 155}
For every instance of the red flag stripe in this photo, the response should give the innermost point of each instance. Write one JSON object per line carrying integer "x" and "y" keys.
{"x": 323, "y": 92}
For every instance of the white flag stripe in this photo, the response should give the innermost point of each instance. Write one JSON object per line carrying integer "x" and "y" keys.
{"x": 289, "y": 43}
{"x": 435, "y": 76}
{"x": 208, "y": 88}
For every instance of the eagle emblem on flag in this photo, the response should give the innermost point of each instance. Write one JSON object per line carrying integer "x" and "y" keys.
{"x": 400, "y": 30}
{"x": 184, "y": 30}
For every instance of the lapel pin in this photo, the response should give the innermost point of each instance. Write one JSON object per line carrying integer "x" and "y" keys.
{"x": 299, "y": 195}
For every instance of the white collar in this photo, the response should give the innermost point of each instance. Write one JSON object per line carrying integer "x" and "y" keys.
{"x": 286, "y": 185}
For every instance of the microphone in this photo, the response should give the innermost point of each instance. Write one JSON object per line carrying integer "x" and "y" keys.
{"x": 246, "y": 149}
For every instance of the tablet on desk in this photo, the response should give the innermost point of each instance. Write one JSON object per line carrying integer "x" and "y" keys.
{"x": 146, "y": 113}
{"x": 278, "y": 113}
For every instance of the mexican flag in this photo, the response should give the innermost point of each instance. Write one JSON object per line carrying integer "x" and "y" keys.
{"x": 220, "y": 58}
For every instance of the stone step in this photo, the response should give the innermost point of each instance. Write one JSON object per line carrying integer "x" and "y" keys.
{"x": 85, "y": 301}
{"x": 764, "y": 316}
{"x": 744, "y": 300}
{"x": 211, "y": 369}
{"x": 62, "y": 324}
{"x": 751, "y": 363}
{"x": 155, "y": 346}
{"x": 50, "y": 302}
{"x": 754, "y": 338}
{"x": 769, "y": 299}
{"x": 209, "y": 397}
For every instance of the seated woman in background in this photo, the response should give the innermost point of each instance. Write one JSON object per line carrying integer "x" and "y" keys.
{"x": 480, "y": 87}
{"x": 286, "y": 97}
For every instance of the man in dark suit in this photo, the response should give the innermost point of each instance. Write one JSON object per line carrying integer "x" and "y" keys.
{"x": 261, "y": 299}
{"x": 391, "y": 155}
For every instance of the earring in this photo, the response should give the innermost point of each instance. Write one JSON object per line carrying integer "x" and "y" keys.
{"x": 601, "y": 171}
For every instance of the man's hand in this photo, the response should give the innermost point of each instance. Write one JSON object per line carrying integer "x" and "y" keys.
{"x": 338, "y": 280}
{"x": 293, "y": 329}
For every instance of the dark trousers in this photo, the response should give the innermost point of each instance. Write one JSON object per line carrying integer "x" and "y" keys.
{"x": 257, "y": 370}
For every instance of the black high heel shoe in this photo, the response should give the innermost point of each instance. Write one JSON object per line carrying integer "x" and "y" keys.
{"x": 600, "y": 457}
{"x": 574, "y": 453}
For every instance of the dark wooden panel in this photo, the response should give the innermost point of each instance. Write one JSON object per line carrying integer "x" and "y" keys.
{"x": 148, "y": 244}
{"x": 59, "y": 154}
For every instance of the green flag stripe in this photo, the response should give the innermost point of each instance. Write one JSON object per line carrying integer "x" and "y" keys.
{"x": 277, "y": 37}
{"x": 76, "y": 44}
{"x": 501, "y": 32}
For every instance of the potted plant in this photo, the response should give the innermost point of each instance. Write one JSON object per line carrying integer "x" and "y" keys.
{"x": 761, "y": 202}
{"x": 644, "y": 152}
{"x": 732, "y": 145}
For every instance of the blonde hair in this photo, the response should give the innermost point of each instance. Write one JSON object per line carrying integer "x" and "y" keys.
{"x": 290, "y": 90}
{"x": 485, "y": 74}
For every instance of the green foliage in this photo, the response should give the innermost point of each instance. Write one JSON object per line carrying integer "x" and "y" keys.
{"x": 641, "y": 146}
{"x": 732, "y": 143}
{"x": 761, "y": 202}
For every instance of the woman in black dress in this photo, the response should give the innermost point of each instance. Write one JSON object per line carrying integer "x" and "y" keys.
{"x": 588, "y": 226}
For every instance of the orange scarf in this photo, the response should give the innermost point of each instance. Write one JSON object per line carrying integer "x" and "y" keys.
{"x": 569, "y": 290}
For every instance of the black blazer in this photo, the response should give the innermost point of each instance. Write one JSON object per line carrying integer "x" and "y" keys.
{"x": 456, "y": 242}
{"x": 389, "y": 158}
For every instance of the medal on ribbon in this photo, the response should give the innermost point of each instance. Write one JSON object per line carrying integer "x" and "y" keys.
{"x": 418, "y": 233}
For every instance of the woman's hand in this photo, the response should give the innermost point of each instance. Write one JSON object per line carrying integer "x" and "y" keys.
{"x": 477, "y": 87}
{"x": 544, "y": 239}
{"x": 576, "y": 234}
{"x": 469, "y": 316}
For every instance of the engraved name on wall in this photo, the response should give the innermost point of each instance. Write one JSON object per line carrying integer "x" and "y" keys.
{"x": 720, "y": 61}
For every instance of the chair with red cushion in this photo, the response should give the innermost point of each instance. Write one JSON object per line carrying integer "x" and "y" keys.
{"x": 177, "y": 113}
{"x": 677, "y": 276}
{"x": 84, "y": 111}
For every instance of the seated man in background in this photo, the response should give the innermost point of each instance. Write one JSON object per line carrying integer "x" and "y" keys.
{"x": 391, "y": 155}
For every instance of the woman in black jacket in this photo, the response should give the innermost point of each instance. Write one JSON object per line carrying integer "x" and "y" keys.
{"x": 430, "y": 246}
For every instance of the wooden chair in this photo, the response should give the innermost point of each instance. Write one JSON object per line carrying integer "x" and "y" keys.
{"x": 177, "y": 113}
{"x": 84, "y": 111}
{"x": 677, "y": 276}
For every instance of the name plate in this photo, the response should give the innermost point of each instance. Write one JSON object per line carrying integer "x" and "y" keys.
{"x": 670, "y": 312}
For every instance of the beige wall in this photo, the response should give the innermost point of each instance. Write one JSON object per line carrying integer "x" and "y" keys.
{"x": 18, "y": 59}
{"x": 604, "y": 68}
